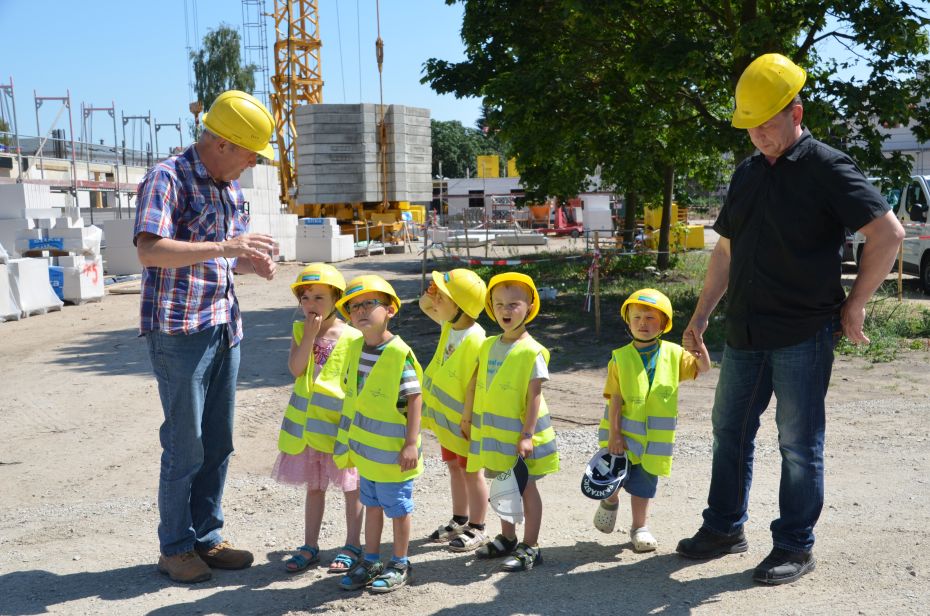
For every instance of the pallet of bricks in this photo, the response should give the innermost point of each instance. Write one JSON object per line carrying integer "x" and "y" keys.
{"x": 57, "y": 252}
{"x": 260, "y": 188}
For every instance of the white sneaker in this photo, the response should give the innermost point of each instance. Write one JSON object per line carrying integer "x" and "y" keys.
{"x": 643, "y": 541}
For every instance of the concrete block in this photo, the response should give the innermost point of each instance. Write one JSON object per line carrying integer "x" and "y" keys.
{"x": 305, "y": 232}
{"x": 119, "y": 252}
{"x": 9, "y": 309}
{"x": 14, "y": 198}
{"x": 78, "y": 284}
{"x": 331, "y": 250}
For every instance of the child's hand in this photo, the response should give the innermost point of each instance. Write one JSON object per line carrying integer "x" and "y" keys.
{"x": 408, "y": 458}
{"x": 616, "y": 445}
{"x": 525, "y": 446}
{"x": 465, "y": 427}
{"x": 312, "y": 324}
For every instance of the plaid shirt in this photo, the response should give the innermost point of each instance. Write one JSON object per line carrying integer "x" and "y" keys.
{"x": 177, "y": 199}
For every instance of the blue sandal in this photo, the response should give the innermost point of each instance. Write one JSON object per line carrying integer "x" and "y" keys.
{"x": 342, "y": 563}
{"x": 299, "y": 562}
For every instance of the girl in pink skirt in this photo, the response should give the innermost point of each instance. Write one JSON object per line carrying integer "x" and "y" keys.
{"x": 319, "y": 348}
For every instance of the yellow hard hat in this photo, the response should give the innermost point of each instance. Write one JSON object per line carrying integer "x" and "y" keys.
{"x": 240, "y": 118}
{"x": 319, "y": 273}
{"x": 653, "y": 299}
{"x": 367, "y": 284}
{"x": 513, "y": 277}
{"x": 466, "y": 289}
{"x": 766, "y": 86}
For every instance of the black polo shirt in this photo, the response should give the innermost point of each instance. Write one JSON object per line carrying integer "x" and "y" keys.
{"x": 785, "y": 223}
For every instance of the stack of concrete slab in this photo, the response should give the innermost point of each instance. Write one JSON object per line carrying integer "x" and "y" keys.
{"x": 9, "y": 309}
{"x": 338, "y": 161}
{"x": 119, "y": 253}
{"x": 14, "y": 200}
{"x": 261, "y": 190}
{"x": 320, "y": 239}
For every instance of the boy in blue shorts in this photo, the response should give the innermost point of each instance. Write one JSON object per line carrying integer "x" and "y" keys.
{"x": 379, "y": 432}
{"x": 642, "y": 412}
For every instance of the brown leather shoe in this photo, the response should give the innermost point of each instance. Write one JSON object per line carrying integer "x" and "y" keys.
{"x": 187, "y": 568}
{"x": 224, "y": 556}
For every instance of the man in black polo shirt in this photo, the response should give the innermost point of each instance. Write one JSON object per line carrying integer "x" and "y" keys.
{"x": 781, "y": 240}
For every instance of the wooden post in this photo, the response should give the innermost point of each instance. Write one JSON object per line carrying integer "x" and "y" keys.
{"x": 486, "y": 223}
{"x": 900, "y": 270}
{"x": 597, "y": 289}
{"x": 465, "y": 227}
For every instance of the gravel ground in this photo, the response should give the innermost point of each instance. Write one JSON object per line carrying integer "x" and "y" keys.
{"x": 79, "y": 466}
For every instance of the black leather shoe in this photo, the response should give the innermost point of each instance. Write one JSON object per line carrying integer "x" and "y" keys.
{"x": 707, "y": 544}
{"x": 783, "y": 567}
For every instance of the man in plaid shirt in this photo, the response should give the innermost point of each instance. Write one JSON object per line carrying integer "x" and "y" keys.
{"x": 191, "y": 234}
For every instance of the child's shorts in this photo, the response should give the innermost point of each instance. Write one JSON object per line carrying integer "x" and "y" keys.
{"x": 640, "y": 482}
{"x": 448, "y": 456}
{"x": 396, "y": 498}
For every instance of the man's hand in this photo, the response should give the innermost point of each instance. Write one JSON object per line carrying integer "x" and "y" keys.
{"x": 264, "y": 266}
{"x": 853, "y": 317}
{"x": 408, "y": 458}
{"x": 252, "y": 245}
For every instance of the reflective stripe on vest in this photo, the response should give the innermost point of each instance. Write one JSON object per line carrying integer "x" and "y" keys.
{"x": 650, "y": 414}
{"x": 444, "y": 387}
{"x": 372, "y": 430}
{"x": 500, "y": 409}
{"x": 315, "y": 406}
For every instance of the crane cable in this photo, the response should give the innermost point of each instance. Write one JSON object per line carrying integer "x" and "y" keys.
{"x": 382, "y": 129}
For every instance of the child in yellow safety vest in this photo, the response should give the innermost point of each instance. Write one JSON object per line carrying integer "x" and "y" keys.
{"x": 642, "y": 410}
{"x": 509, "y": 417}
{"x": 454, "y": 300}
{"x": 379, "y": 432}
{"x": 319, "y": 348}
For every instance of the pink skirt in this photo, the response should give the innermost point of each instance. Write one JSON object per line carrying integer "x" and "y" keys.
{"x": 314, "y": 469}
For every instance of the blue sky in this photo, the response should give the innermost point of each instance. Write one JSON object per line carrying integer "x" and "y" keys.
{"x": 133, "y": 54}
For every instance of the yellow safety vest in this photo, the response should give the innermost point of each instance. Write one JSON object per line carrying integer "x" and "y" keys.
{"x": 372, "y": 429}
{"x": 312, "y": 414}
{"x": 500, "y": 410}
{"x": 650, "y": 414}
{"x": 444, "y": 386}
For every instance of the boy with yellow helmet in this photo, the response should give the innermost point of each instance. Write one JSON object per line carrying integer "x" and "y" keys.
{"x": 454, "y": 300}
{"x": 320, "y": 345}
{"x": 642, "y": 410}
{"x": 379, "y": 432}
{"x": 508, "y": 417}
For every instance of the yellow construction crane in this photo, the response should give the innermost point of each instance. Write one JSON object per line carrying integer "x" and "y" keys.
{"x": 297, "y": 80}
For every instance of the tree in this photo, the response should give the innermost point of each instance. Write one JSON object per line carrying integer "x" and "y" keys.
{"x": 457, "y": 147}
{"x": 4, "y": 133}
{"x": 641, "y": 88}
{"x": 217, "y": 68}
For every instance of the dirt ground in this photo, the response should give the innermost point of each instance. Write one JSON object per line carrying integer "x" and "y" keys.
{"x": 79, "y": 459}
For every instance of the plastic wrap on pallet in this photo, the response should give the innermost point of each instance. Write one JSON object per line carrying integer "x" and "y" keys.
{"x": 4, "y": 257}
{"x": 29, "y": 282}
{"x": 9, "y": 308}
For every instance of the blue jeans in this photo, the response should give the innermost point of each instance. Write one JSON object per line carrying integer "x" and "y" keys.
{"x": 196, "y": 377}
{"x": 799, "y": 376}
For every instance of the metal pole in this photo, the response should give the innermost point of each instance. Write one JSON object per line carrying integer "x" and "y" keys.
{"x": 180, "y": 135}
{"x": 123, "y": 117}
{"x": 156, "y": 140}
{"x": 8, "y": 90}
{"x": 38, "y": 103}
{"x": 119, "y": 198}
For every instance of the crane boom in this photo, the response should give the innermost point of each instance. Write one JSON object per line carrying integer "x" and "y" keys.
{"x": 297, "y": 81}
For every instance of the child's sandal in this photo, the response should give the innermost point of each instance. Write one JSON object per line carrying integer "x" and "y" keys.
{"x": 299, "y": 562}
{"x": 343, "y": 562}
{"x": 497, "y": 547}
{"x": 523, "y": 558}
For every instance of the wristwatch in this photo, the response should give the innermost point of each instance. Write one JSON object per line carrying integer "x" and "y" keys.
{"x": 526, "y": 434}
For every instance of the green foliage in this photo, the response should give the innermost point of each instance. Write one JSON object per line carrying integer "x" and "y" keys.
{"x": 638, "y": 87}
{"x": 217, "y": 68}
{"x": 5, "y": 128}
{"x": 457, "y": 147}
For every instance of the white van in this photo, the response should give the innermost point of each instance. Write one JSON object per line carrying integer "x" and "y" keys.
{"x": 910, "y": 205}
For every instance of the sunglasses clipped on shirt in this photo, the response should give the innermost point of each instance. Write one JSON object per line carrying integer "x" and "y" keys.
{"x": 365, "y": 306}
